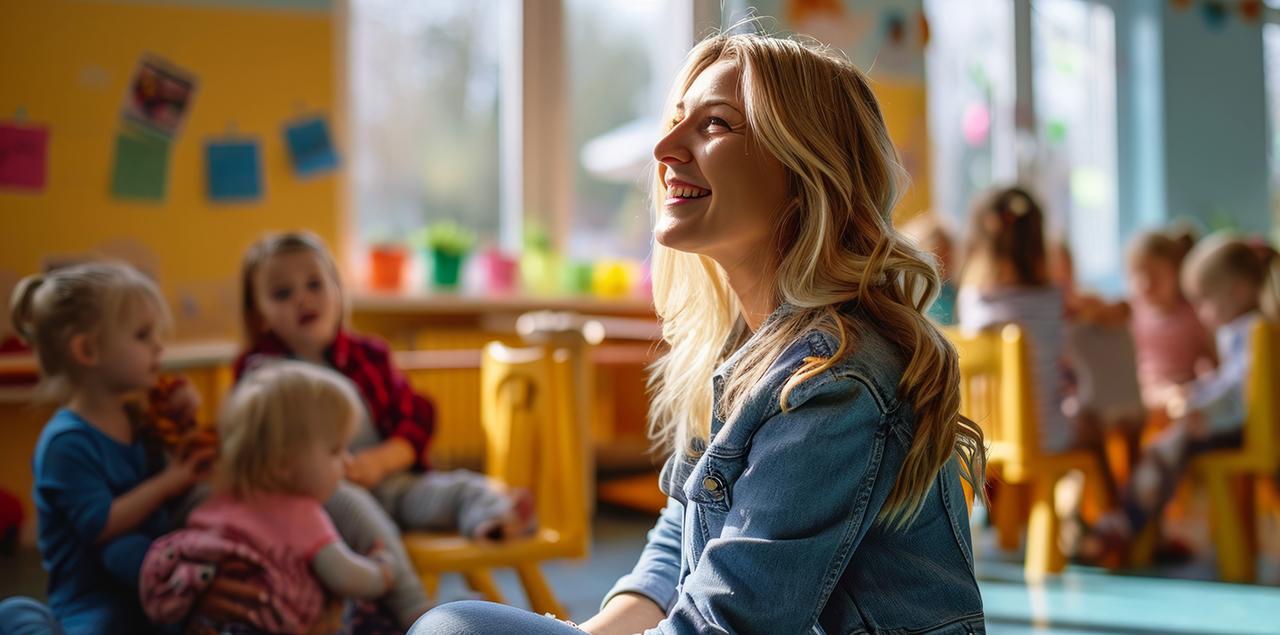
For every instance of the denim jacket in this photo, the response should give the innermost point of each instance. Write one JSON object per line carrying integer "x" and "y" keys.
{"x": 773, "y": 529}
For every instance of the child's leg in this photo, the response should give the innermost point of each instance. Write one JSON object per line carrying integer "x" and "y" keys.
{"x": 460, "y": 499}
{"x": 362, "y": 522}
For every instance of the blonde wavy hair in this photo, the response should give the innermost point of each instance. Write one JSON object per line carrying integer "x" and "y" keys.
{"x": 835, "y": 244}
{"x": 273, "y": 413}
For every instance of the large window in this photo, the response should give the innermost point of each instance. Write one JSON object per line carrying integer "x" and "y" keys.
{"x": 511, "y": 117}
{"x": 425, "y": 88}
{"x": 970, "y": 71}
{"x": 1051, "y": 128}
{"x": 618, "y": 79}
{"x": 1075, "y": 103}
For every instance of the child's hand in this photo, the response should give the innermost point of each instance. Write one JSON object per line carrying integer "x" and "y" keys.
{"x": 386, "y": 562}
{"x": 1176, "y": 401}
{"x": 183, "y": 402}
{"x": 193, "y": 463}
{"x": 365, "y": 469}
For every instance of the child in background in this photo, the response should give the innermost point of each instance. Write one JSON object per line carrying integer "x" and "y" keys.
{"x": 930, "y": 234}
{"x": 99, "y": 493}
{"x": 1227, "y": 281}
{"x": 293, "y": 307}
{"x": 1006, "y": 280}
{"x": 1170, "y": 341}
{"x": 284, "y": 435}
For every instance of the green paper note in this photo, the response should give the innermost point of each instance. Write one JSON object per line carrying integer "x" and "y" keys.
{"x": 141, "y": 168}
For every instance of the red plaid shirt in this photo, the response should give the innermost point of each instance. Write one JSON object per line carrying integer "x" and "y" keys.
{"x": 395, "y": 409}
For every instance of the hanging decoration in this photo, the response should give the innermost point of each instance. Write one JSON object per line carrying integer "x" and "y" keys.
{"x": 1251, "y": 10}
{"x": 1214, "y": 13}
{"x": 1217, "y": 13}
{"x": 895, "y": 27}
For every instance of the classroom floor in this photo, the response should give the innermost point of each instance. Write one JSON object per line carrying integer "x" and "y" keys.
{"x": 1081, "y": 601}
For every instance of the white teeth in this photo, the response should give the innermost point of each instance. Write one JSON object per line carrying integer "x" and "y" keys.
{"x": 688, "y": 192}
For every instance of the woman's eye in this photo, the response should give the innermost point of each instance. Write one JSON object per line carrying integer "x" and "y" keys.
{"x": 716, "y": 121}
{"x": 313, "y": 285}
{"x": 280, "y": 294}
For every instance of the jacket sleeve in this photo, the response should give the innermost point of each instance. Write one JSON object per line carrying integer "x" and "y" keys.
{"x": 657, "y": 573}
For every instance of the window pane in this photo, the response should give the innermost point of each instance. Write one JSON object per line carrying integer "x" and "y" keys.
{"x": 970, "y": 75}
{"x": 1073, "y": 55}
{"x": 424, "y": 81}
{"x": 618, "y": 75}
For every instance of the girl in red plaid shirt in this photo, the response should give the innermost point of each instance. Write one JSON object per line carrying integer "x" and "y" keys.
{"x": 293, "y": 307}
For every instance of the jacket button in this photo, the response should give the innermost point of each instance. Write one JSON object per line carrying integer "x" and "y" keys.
{"x": 713, "y": 486}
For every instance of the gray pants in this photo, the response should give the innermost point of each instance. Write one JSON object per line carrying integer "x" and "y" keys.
{"x": 432, "y": 501}
{"x": 458, "y": 500}
{"x": 362, "y": 523}
{"x": 442, "y": 501}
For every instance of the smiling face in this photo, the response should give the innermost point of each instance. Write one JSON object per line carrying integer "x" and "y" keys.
{"x": 723, "y": 192}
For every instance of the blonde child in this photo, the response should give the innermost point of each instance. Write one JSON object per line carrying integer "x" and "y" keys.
{"x": 284, "y": 433}
{"x": 1230, "y": 284}
{"x": 99, "y": 490}
{"x": 293, "y": 307}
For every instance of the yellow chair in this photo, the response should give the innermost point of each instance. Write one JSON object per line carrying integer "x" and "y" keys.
{"x": 534, "y": 439}
{"x": 998, "y": 393}
{"x": 1233, "y": 477}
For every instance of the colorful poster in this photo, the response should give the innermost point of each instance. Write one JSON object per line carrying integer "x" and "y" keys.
{"x": 141, "y": 168}
{"x": 234, "y": 170}
{"x": 159, "y": 96}
{"x": 310, "y": 148}
{"x": 24, "y": 157}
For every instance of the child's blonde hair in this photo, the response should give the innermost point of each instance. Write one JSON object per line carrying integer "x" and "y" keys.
{"x": 267, "y": 248}
{"x": 275, "y": 410}
{"x": 1222, "y": 257}
{"x": 48, "y": 310}
{"x": 1006, "y": 226}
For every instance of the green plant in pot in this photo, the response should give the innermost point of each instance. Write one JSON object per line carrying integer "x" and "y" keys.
{"x": 445, "y": 245}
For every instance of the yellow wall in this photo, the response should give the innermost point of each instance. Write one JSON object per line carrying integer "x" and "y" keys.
{"x": 68, "y": 64}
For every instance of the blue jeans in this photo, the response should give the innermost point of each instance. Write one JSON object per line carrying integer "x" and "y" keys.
{"x": 25, "y": 616}
{"x": 482, "y": 618}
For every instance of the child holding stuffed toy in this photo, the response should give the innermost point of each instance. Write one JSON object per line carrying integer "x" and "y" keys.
{"x": 284, "y": 434}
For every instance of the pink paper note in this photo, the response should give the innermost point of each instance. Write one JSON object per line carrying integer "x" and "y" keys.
{"x": 23, "y": 156}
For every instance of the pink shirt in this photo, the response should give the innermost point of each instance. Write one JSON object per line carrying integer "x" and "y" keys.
{"x": 1167, "y": 345}
{"x": 287, "y": 531}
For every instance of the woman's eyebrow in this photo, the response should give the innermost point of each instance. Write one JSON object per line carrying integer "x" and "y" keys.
{"x": 714, "y": 101}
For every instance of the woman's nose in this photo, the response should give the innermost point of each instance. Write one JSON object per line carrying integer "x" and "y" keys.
{"x": 671, "y": 149}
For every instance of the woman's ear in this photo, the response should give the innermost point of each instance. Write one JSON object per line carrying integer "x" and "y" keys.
{"x": 84, "y": 350}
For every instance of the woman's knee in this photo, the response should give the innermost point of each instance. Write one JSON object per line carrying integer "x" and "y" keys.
{"x": 453, "y": 617}
{"x": 472, "y": 617}
{"x": 25, "y": 616}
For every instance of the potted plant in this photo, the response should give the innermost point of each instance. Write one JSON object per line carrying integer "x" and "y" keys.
{"x": 387, "y": 260}
{"x": 445, "y": 244}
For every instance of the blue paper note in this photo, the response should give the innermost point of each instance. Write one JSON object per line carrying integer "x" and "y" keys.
{"x": 310, "y": 147}
{"x": 234, "y": 170}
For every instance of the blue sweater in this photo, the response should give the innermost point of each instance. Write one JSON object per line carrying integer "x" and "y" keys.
{"x": 79, "y": 471}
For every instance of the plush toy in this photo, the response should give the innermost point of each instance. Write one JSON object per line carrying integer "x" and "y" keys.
{"x": 178, "y": 435}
